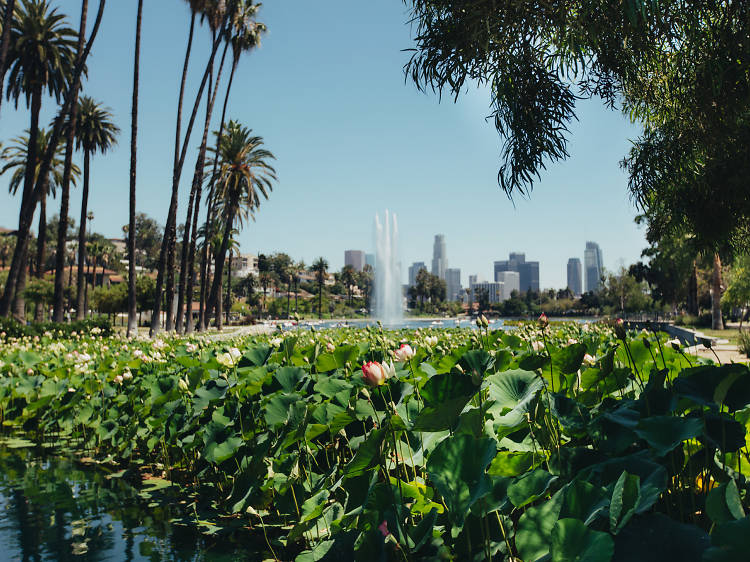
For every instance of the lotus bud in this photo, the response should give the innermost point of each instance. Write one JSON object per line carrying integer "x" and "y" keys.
{"x": 589, "y": 360}
{"x": 543, "y": 321}
{"x": 485, "y": 323}
{"x": 675, "y": 343}
{"x": 330, "y": 348}
{"x": 183, "y": 385}
{"x": 620, "y": 329}
{"x": 373, "y": 373}
{"x": 404, "y": 353}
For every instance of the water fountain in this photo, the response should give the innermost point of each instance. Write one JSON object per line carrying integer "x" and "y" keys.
{"x": 388, "y": 305}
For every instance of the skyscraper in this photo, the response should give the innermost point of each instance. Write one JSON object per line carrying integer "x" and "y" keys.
{"x": 592, "y": 262}
{"x": 413, "y": 270}
{"x": 510, "y": 280}
{"x": 453, "y": 289}
{"x": 355, "y": 258}
{"x": 574, "y": 276}
{"x": 528, "y": 270}
{"x": 439, "y": 259}
{"x": 370, "y": 260}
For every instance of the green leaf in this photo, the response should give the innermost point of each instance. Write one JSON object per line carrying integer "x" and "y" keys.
{"x": 724, "y": 504}
{"x": 513, "y": 393}
{"x": 657, "y": 538}
{"x": 289, "y": 377}
{"x": 476, "y": 363}
{"x": 664, "y": 433}
{"x": 569, "y": 359}
{"x": 573, "y": 541}
{"x": 730, "y": 540}
{"x": 277, "y": 409}
{"x": 508, "y": 463}
{"x": 367, "y": 454}
{"x": 344, "y": 354}
{"x": 441, "y": 388}
{"x": 529, "y": 487}
{"x": 535, "y": 527}
{"x": 625, "y": 498}
{"x": 325, "y": 362}
{"x": 256, "y": 356}
{"x": 457, "y": 467}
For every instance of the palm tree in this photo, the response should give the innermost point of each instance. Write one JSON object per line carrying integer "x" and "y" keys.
{"x": 95, "y": 250}
{"x": 215, "y": 12}
{"x": 26, "y": 214}
{"x": 5, "y": 26}
{"x": 40, "y": 58}
{"x": 244, "y": 174}
{"x": 72, "y": 121}
{"x": 348, "y": 279}
{"x": 234, "y": 249}
{"x": 95, "y": 132}
{"x": 245, "y": 34}
{"x": 319, "y": 268}
{"x": 132, "y": 297}
{"x": 297, "y": 268}
{"x": 15, "y": 158}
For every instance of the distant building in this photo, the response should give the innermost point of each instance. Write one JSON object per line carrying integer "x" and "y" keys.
{"x": 453, "y": 289}
{"x": 370, "y": 260}
{"x": 439, "y": 258}
{"x": 473, "y": 279}
{"x": 575, "y": 282}
{"x": 494, "y": 291}
{"x": 413, "y": 270}
{"x": 244, "y": 265}
{"x": 528, "y": 270}
{"x": 510, "y": 280}
{"x": 355, "y": 258}
{"x": 593, "y": 266}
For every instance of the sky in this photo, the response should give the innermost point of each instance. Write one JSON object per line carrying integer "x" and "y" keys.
{"x": 352, "y": 138}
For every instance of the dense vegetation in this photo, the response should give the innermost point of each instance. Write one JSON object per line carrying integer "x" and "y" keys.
{"x": 577, "y": 442}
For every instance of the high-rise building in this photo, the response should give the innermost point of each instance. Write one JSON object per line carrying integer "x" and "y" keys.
{"x": 593, "y": 266}
{"x": 413, "y": 270}
{"x": 494, "y": 290}
{"x": 370, "y": 260}
{"x": 439, "y": 259}
{"x": 574, "y": 276}
{"x": 453, "y": 289}
{"x": 510, "y": 280}
{"x": 528, "y": 270}
{"x": 355, "y": 258}
{"x": 473, "y": 279}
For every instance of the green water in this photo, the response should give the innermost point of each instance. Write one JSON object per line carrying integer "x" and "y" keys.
{"x": 54, "y": 509}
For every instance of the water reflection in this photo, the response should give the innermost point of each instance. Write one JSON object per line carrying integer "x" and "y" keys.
{"x": 53, "y": 509}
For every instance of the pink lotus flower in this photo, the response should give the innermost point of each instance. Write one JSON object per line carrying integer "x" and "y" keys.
{"x": 373, "y": 373}
{"x": 404, "y": 353}
{"x": 543, "y": 321}
{"x": 383, "y": 527}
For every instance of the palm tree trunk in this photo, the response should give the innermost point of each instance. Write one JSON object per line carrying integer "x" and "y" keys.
{"x": 219, "y": 265}
{"x": 193, "y": 238}
{"x": 229, "y": 286}
{"x": 716, "y": 321}
{"x": 93, "y": 284}
{"x": 288, "y": 295}
{"x": 41, "y": 243}
{"x": 166, "y": 254}
{"x": 5, "y": 42}
{"x": 191, "y": 222}
{"x": 132, "y": 301}
{"x": 81, "y": 289}
{"x": 62, "y": 231}
{"x": 26, "y": 216}
{"x": 320, "y": 299}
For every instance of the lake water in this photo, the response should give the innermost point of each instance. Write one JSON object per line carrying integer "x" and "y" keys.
{"x": 52, "y": 509}
{"x": 424, "y": 323}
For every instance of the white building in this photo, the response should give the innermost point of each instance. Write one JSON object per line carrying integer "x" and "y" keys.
{"x": 439, "y": 258}
{"x": 494, "y": 290}
{"x": 510, "y": 280}
{"x": 244, "y": 265}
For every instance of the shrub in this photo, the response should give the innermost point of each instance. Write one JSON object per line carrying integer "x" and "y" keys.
{"x": 743, "y": 343}
{"x": 15, "y": 329}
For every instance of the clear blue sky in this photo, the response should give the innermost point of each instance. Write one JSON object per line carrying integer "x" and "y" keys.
{"x": 326, "y": 90}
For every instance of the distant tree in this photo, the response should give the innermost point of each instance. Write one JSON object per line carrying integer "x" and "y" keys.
{"x": 738, "y": 287}
{"x": 482, "y": 297}
{"x": 148, "y": 234}
{"x": 348, "y": 278}
{"x": 319, "y": 267}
